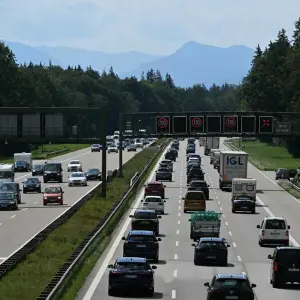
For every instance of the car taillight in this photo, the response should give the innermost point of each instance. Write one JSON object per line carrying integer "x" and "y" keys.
{"x": 287, "y": 233}
{"x": 275, "y": 266}
{"x": 262, "y": 232}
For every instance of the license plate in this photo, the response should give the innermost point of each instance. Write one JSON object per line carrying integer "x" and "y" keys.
{"x": 131, "y": 276}
{"x": 145, "y": 222}
{"x": 141, "y": 246}
{"x": 212, "y": 257}
{"x": 293, "y": 270}
{"x": 232, "y": 297}
{"x": 244, "y": 207}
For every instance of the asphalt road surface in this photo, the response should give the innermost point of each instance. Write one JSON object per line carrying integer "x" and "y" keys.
{"x": 176, "y": 276}
{"x": 17, "y": 227}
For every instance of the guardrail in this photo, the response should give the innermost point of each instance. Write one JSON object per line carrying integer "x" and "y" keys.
{"x": 295, "y": 187}
{"x": 67, "y": 267}
{"x": 56, "y": 152}
{"x": 21, "y": 253}
{"x": 134, "y": 178}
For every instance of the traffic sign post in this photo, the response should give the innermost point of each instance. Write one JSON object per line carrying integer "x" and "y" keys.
{"x": 248, "y": 124}
{"x": 266, "y": 124}
{"x": 179, "y": 124}
{"x": 230, "y": 124}
{"x": 213, "y": 124}
{"x": 163, "y": 125}
{"x": 196, "y": 124}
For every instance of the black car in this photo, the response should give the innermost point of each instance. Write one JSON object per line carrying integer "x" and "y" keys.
{"x": 282, "y": 174}
{"x": 230, "y": 286}
{"x": 243, "y": 203}
{"x": 93, "y": 174}
{"x": 131, "y": 274}
{"x": 53, "y": 172}
{"x": 8, "y": 200}
{"x": 175, "y": 151}
{"x": 211, "y": 250}
{"x": 32, "y": 185}
{"x": 144, "y": 219}
{"x": 285, "y": 266}
{"x": 193, "y": 165}
{"x": 175, "y": 145}
{"x": 13, "y": 187}
{"x": 170, "y": 155}
{"x": 195, "y": 174}
{"x": 141, "y": 243}
{"x": 163, "y": 174}
{"x": 199, "y": 185}
{"x": 22, "y": 166}
{"x": 38, "y": 170}
{"x": 190, "y": 150}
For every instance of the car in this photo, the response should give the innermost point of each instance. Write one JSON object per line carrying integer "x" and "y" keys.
{"x": 96, "y": 148}
{"x": 32, "y": 185}
{"x": 195, "y": 156}
{"x": 154, "y": 188}
{"x": 131, "y": 273}
{"x": 139, "y": 144}
{"x": 169, "y": 163}
{"x": 174, "y": 150}
{"x": 93, "y": 174}
{"x": 145, "y": 220}
{"x": 163, "y": 174}
{"x": 199, "y": 185}
{"x": 13, "y": 187}
{"x": 131, "y": 148}
{"x": 211, "y": 250}
{"x": 285, "y": 266}
{"x": 154, "y": 202}
{"x": 282, "y": 174}
{"x": 74, "y": 166}
{"x": 243, "y": 203}
{"x": 170, "y": 155}
{"x": 37, "y": 169}
{"x": 141, "y": 243}
{"x": 190, "y": 150}
{"x": 8, "y": 200}
{"x": 195, "y": 174}
{"x": 112, "y": 149}
{"x": 77, "y": 178}
{"x": 273, "y": 230}
{"x": 164, "y": 166}
{"x": 53, "y": 172}
{"x": 230, "y": 286}
{"x": 175, "y": 145}
{"x": 53, "y": 194}
{"x": 22, "y": 166}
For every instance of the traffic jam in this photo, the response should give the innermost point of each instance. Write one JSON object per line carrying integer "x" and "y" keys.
{"x": 135, "y": 269}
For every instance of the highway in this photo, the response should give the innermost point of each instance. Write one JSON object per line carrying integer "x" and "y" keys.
{"x": 17, "y": 227}
{"x": 176, "y": 276}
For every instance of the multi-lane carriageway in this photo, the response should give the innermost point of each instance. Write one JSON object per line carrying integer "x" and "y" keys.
{"x": 176, "y": 276}
{"x": 17, "y": 227}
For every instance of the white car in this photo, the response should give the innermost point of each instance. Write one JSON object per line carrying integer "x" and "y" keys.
{"x": 77, "y": 178}
{"x": 112, "y": 148}
{"x": 154, "y": 203}
{"x": 74, "y": 166}
{"x": 274, "y": 230}
{"x": 138, "y": 144}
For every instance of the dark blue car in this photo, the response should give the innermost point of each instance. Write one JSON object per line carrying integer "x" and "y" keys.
{"x": 8, "y": 200}
{"x": 131, "y": 273}
{"x": 141, "y": 243}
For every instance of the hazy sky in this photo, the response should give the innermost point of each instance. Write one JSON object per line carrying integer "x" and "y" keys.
{"x": 156, "y": 26}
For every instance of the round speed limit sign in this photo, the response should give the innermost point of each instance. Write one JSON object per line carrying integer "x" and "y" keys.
{"x": 197, "y": 122}
{"x": 162, "y": 122}
{"x": 230, "y": 122}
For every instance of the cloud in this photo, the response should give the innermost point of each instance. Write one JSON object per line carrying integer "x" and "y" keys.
{"x": 151, "y": 26}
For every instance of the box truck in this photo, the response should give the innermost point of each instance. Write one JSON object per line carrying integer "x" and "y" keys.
{"x": 27, "y": 157}
{"x": 211, "y": 143}
{"x": 233, "y": 164}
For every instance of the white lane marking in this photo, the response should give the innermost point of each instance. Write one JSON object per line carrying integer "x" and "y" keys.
{"x": 92, "y": 288}
{"x": 177, "y": 231}
{"x": 294, "y": 242}
{"x": 234, "y": 245}
{"x": 36, "y": 202}
{"x": 219, "y": 202}
{"x": 177, "y": 243}
{"x": 179, "y": 201}
{"x": 13, "y": 216}
{"x": 173, "y": 294}
{"x": 221, "y": 208}
{"x": 3, "y": 258}
{"x": 179, "y": 207}
{"x": 24, "y": 209}
{"x": 239, "y": 258}
{"x": 175, "y": 272}
{"x": 178, "y": 214}
{"x": 178, "y": 222}
{"x": 226, "y": 223}
{"x": 175, "y": 256}
{"x": 230, "y": 233}
{"x": 224, "y": 216}
{"x": 0, "y": 224}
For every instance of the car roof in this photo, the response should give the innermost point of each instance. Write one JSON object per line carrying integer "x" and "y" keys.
{"x": 131, "y": 259}
{"x": 154, "y": 182}
{"x": 12, "y": 183}
{"x": 211, "y": 239}
{"x": 233, "y": 276}
{"x": 77, "y": 173}
{"x": 159, "y": 197}
{"x": 275, "y": 218}
{"x": 288, "y": 248}
{"x": 201, "y": 181}
{"x": 145, "y": 211}
{"x": 141, "y": 232}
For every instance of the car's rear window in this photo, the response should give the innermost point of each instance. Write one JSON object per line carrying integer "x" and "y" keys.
{"x": 232, "y": 283}
{"x": 194, "y": 196}
{"x": 145, "y": 215}
{"x": 289, "y": 255}
{"x": 199, "y": 184}
{"x": 212, "y": 244}
{"x": 275, "y": 224}
{"x": 131, "y": 266}
{"x": 142, "y": 238}
{"x": 153, "y": 199}
{"x": 154, "y": 186}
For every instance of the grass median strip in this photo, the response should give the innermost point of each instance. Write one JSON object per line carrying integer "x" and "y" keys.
{"x": 267, "y": 157}
{"x": 30, "y": 277}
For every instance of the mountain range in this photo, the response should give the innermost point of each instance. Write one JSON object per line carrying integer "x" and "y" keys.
{"x": 193, "y": 63}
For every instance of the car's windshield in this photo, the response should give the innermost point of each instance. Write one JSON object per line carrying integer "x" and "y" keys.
{"x": 131, "y": 266}
{"x": 77, "y": 175}
{"x": 38, "y": 167}
{"x": 142, "y": 238}
{"x": 8, "y": 187}
{"x": 51, "y": 167}
{"x": 20, "y": 163}
{"x": 232, "y": 283}
{"x": 93, "y": 171}
{"x": 52, "y": 190}
{"x": 74, "y": 162}
{"x": 145, "y": 215}
{"x": 6, "y": 196}
{"x": 275, "y": 224}
{"x": 32, "y": 180}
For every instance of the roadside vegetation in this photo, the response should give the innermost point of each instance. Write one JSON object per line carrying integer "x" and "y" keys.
{"x": 289, "y": 189}
{"x": 31, "y": 276}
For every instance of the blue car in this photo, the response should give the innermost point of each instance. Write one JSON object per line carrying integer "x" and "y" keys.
{"x": 8, "y": 200}
{"x": 131, "y": 273}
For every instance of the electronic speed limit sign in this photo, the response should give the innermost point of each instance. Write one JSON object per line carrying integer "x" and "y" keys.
{"x": 163, "y": 124}
{"x": 196, "y": 124}
{"x": 230, "y": 124}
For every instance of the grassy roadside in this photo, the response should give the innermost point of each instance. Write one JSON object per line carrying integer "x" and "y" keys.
{"x": 48, "y": 151}
{"x": 30, "y": 277}
{"x": 266, "y": 157}
{"x": 289, "y": 189}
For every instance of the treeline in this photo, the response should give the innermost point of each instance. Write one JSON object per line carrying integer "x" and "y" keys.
{"x": 273, "y": 82}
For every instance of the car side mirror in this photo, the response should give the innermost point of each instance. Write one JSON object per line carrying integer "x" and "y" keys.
{"x": 206, "y": 284}
{"x": 165, "y": 201}
{"x": 142, "y": 200}
{"x": 253, "y": 285}
{"x": 270, "y": 256}
{"x": 154, "y": 267}
{"x": 110, "y": 266}
{"x": 228, "y": 246}
{"x": 289, "y": 227}
{"x": 159, "y": 239}
{"x": 159, "y": 217}
{"x": 189, "y": 220}
{"x": 164, "y": 186}
{"x": 123, "y": 238}
{"x": 131, "y": 216}
{"x": 193, "y": 245}
{"x": 258, "y": 226}
{"x": 182, "y": 198}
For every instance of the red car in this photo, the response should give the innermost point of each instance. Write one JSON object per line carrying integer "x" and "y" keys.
{"x": 155, "y": 188}
{"x": 53, "y": 194}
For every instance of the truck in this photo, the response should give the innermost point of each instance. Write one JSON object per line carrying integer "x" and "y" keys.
{"x": 201, "y": 141}
{"x": 205, "y": 224}
{"x": 7, "y": 173}
{"x": 216, "y": 161}
{"x": 213, "y": 156}
{"x": 27, "y": 157}
{"x": 243, "y": 187}
{"x": 233, "y": 164}
{"x": 211, "y": 143}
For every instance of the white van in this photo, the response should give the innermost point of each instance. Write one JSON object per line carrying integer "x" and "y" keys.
{"x": 274, "y": 230}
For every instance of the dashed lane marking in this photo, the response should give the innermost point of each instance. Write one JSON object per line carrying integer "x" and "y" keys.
{"x": 173, "y": 294}
{"x": 239, "y": 258}
{"x": 175, "y": 256}
{"x": 177, "y": 231}
{"x": 175, "y": 273}
{"x": 230, "y": 233}
{"x": 178, "y": 222}
{"x": 177, "y": 243}
{"x": 13, "y": 216}
{"x": 234, "y": 245}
